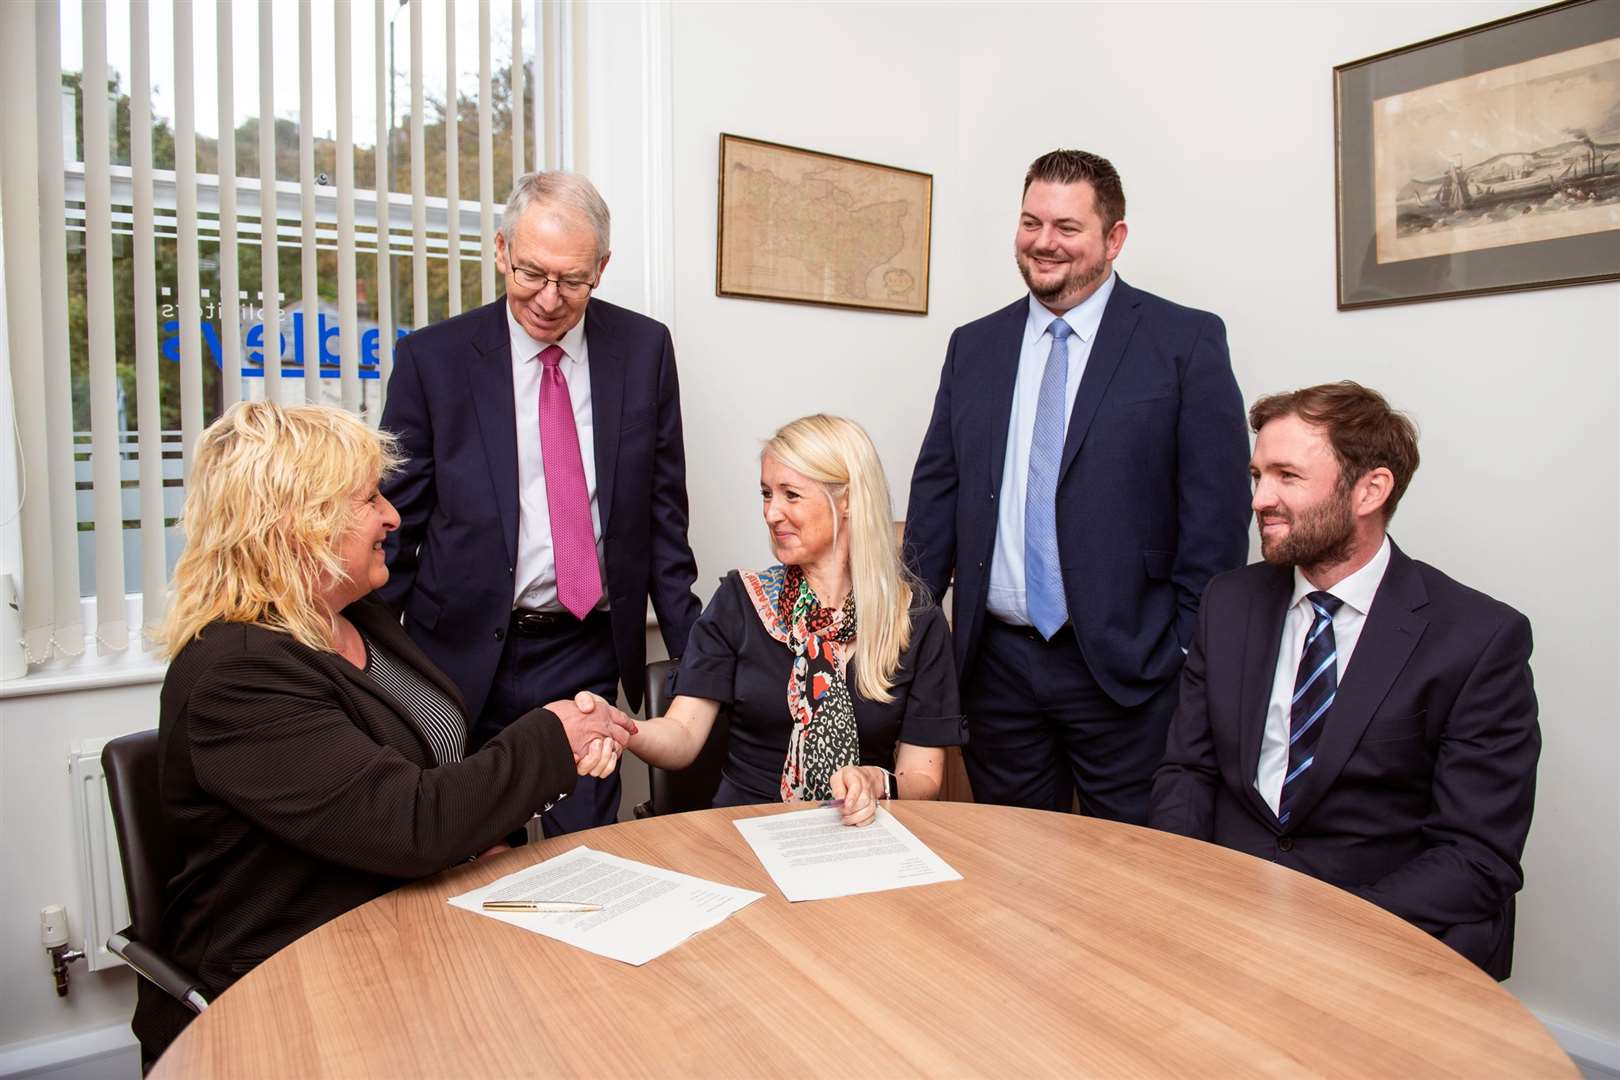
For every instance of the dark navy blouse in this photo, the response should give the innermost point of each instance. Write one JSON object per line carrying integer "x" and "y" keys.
{"x": 732, "y": 659}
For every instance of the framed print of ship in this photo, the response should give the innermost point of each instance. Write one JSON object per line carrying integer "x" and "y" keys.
{"x": 1484, "y": 161}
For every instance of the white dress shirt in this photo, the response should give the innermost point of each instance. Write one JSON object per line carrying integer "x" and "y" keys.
{"x": 535, "y": 582}
{"x": 1006, "y": 600}
{"x": 1357, "y": 592}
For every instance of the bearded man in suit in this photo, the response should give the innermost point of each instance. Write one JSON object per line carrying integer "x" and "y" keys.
{"x": 1348, "y": 711}
{"x": 1082, "y": 479}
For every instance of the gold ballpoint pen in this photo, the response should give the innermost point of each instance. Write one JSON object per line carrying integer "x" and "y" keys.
{"x": 538, "y": 905}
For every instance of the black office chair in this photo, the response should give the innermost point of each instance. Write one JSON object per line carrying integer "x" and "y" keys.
{"x": 146, "y": 853}
{"x": 693, "y": 787}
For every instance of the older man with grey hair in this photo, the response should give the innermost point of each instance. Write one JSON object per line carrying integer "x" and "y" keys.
{"x": 543, "y": 496}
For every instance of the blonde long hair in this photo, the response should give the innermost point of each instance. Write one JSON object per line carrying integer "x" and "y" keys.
{"x": 271, "y": 492}
{"x": 838, "y": 455}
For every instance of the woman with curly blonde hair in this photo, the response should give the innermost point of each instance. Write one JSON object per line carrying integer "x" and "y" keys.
{"x": 835, "y": 664}
{"x": 312, "y": 757}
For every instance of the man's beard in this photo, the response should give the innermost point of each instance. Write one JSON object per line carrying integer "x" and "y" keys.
{"x": 1323, "y": 535}
{"x": 1079, "y": 276}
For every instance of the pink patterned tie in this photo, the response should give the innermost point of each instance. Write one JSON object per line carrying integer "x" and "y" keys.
{"x": 573, "y": 540}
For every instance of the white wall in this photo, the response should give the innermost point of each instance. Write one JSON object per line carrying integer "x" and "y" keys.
{"x": 1219, "y": 117}
{"x": 39, "y": 853}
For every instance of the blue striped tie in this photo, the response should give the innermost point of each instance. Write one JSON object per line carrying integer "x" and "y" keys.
{"x": 1043, "y": 579}
{"x": 1314, "y": 689}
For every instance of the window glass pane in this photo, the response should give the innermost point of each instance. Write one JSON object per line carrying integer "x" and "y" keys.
{"x": 437, "y": 84}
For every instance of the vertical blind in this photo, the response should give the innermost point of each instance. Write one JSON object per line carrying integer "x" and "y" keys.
{"x": 184, "y": 237}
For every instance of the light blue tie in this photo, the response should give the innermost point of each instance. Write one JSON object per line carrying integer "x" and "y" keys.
{"x": 1043, "y": 580}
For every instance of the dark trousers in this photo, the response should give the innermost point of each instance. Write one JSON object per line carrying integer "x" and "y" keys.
{"x": 566, "y": 658}
{"x": 1040, "y": 729}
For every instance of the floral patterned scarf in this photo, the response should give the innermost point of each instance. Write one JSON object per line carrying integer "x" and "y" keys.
{"x": 824, "y": 737}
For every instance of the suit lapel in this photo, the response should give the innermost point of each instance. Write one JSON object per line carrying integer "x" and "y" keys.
{"x": 379, "y": 623}
{"x": 365, "y": 682}
{"x": 1387, "y": 640}
{"x": 1113, "y": 335}
{"x": 1007, "y": 344}
{"x": 607, "y": 401}
{"x": 489, "y": 382}
{"x": 1262, "y": 645}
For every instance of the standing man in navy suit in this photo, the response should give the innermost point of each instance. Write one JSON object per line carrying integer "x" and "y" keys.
{"x": 1083, "y": 477}
{"x": 543, "y": 497}
{"x": 1347, "y": 711}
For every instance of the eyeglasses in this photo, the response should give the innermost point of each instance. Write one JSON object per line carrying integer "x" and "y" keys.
{"x": 533, "y": 280}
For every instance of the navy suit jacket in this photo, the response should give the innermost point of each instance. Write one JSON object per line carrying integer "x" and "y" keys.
{"x": 1152, "y": 496}
{"x": 452, "y": 560}
{"x": 1420, "y": 794}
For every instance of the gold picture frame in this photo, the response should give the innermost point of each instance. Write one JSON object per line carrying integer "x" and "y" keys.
{"x": 807, "y": 227}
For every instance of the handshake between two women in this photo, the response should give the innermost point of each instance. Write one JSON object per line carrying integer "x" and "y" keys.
{"x": 598, "y": 734}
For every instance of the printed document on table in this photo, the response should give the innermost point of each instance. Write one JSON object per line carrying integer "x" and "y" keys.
{"x": 646, "y": 911}
{"x": 813, "y": 855}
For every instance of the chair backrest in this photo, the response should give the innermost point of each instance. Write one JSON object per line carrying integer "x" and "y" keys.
{"x": 693, "y": 787}
{"x": 146, "y": 848}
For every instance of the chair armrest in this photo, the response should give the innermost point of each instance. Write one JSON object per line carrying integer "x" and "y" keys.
{"x": 158, "y": 970}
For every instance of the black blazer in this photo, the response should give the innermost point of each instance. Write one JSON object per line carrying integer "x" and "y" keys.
{"x": 1153, "y": 492}
{"x": 1420, "y": 795}
{"x": 452, "y": 561}
{"x": 298, "y": 789}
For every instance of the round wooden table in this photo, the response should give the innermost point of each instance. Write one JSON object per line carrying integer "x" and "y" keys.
{"x": 1071, "y": 947}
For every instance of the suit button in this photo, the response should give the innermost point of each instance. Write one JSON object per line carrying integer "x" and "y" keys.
{"x": 992, "y": 496}
{"x": 1285, "y": 844}
{"x": 500, "y": 633}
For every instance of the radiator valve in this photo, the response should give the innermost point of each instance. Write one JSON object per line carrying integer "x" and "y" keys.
{"x": 53, "y": 934}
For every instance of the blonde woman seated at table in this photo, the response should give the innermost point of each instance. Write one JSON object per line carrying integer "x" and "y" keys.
{"x": 836, "y": 666}
{"x": 312, "y": 757}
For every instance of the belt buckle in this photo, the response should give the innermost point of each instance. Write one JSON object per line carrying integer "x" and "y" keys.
{"x": 532, "y": 623}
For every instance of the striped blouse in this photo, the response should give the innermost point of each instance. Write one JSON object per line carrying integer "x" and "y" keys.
{"x": 426, "y": 706}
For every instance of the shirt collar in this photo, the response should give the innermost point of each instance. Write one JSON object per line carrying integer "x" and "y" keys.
{"x": 526, "y": 348}
{"x": 1357, "y": 590}
{"x": 1084, "y": 318}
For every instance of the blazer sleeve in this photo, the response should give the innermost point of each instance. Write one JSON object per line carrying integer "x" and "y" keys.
{"x": 1212, "y": 474}
{"x": 930, "y": 541}
{"x": 933, "y": 714}
{"x": 268, "y": 736}
{"x": 673, "y": 567}
{"x": 1484, "y": 792}
{"x": 411, "y": 487}
{"x": 1185, "y": 785}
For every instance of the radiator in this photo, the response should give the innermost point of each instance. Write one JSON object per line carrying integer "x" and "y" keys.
{"x": 103, "y": 907}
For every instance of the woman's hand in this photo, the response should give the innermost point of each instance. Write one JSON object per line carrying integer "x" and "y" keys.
{"x": 860, "y": 787}
{"x": 588, "y": 718}
{"x": 599, "y": 760}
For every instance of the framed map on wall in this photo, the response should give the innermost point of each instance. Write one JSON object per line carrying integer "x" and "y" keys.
{"x": 814, "y": 228}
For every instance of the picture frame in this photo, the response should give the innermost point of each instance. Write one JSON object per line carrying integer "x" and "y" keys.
{"x": 808, "y": 227}
{"x": 1483, "y": 161}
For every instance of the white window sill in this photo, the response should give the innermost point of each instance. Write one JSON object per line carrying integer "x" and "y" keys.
{"x": 132, "y": 667}
{"x": 86, "y": 673}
